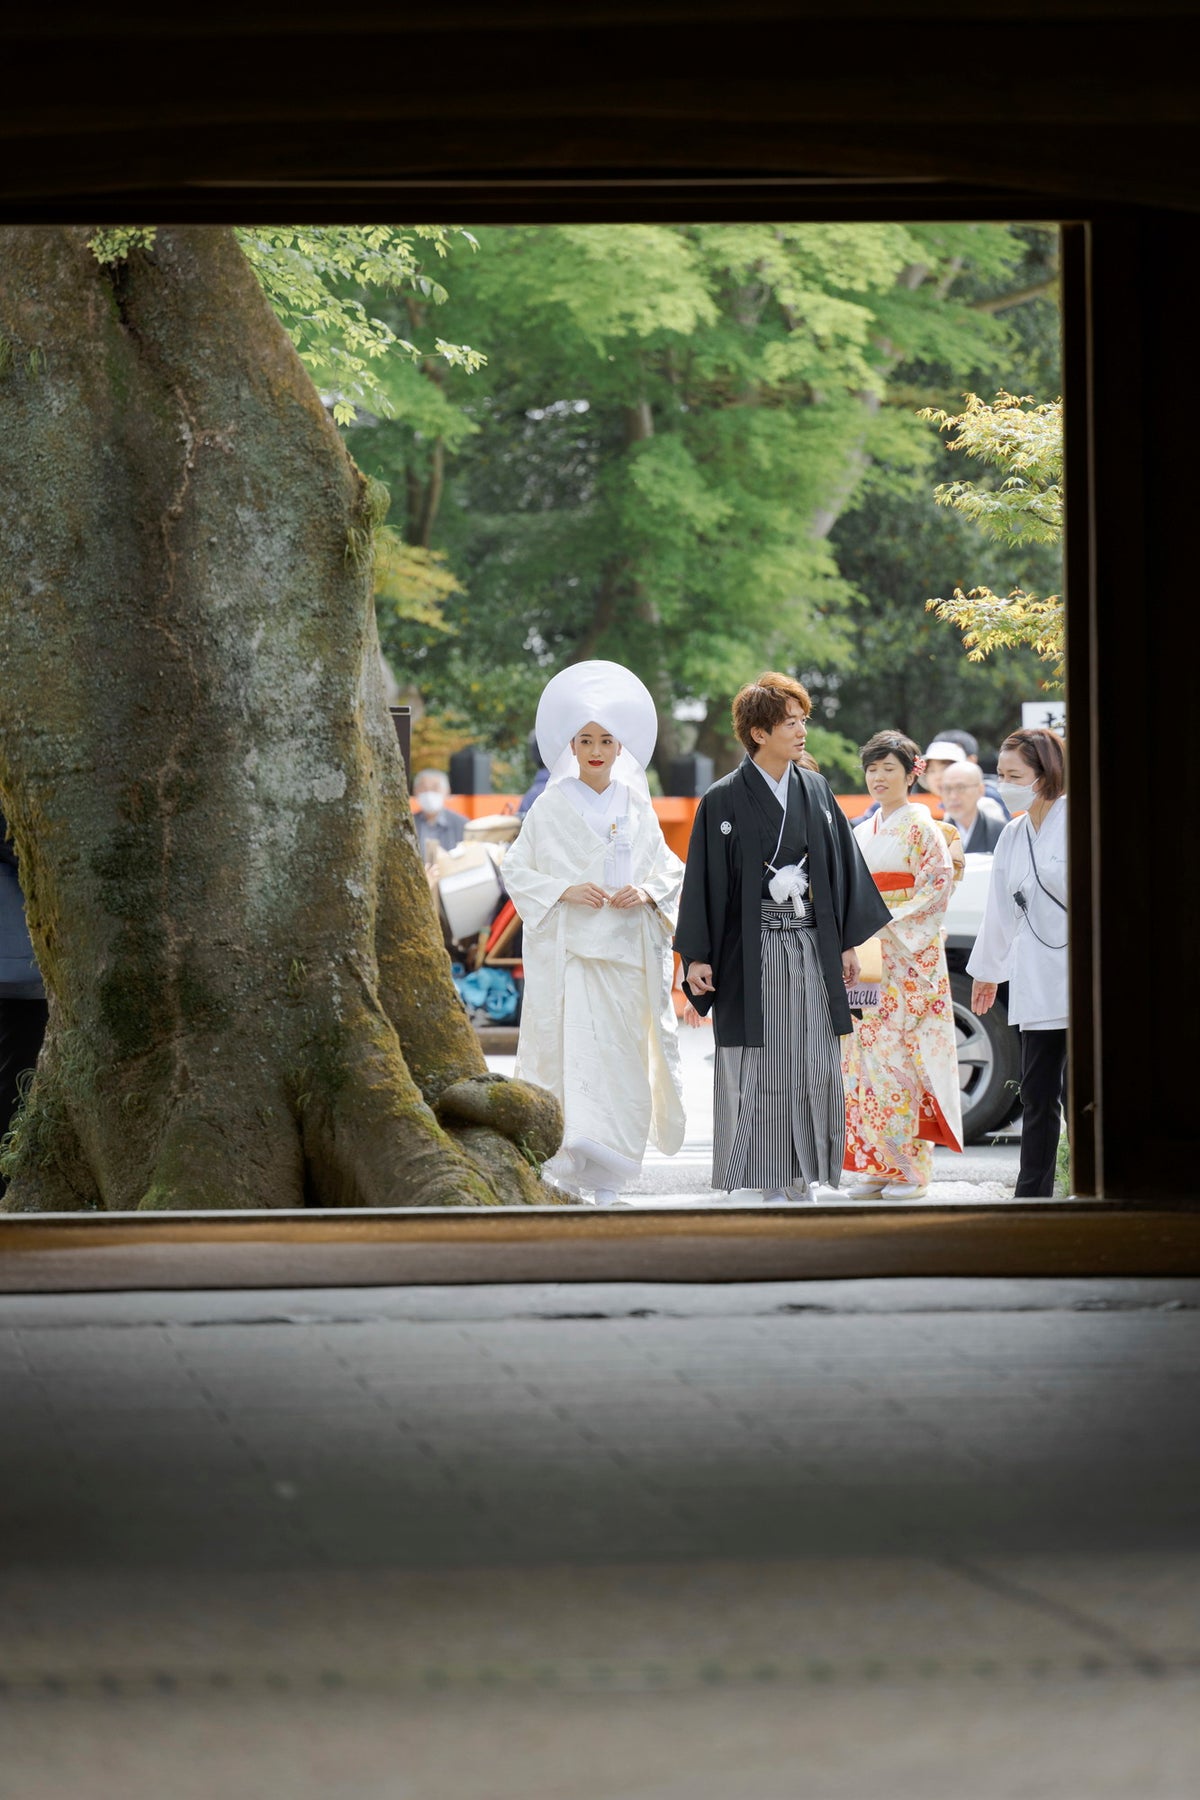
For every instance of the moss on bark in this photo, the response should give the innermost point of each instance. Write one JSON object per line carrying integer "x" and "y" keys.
{"x": 250, "y": 1004}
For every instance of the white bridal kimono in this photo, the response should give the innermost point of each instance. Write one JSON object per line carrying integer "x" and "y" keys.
{"x": 597, "y": 1023}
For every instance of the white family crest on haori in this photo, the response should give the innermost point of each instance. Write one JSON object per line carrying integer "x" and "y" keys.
{"x": 598, "y": 1021}
{"x": 726, "y": 827}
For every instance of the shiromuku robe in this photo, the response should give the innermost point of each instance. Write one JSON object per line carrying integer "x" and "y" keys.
{"x": 597, "y": 1022}
{"x": 901, "y": 1064}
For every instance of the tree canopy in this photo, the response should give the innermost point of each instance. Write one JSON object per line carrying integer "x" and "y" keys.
{"x": 659, "y": 458}
{"x": 315, "y": 277}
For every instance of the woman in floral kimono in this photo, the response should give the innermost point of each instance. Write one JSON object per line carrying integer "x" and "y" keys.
{"x": 901, "y": 1065}
{"x": 597, "y": 889}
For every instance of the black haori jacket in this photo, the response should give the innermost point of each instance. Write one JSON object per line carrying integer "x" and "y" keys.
{"x": 720, "y": 910}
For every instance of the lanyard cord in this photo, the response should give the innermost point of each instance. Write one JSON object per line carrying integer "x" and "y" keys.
{"x": 778, "y": 842}
{"x": 1023, "y": 904}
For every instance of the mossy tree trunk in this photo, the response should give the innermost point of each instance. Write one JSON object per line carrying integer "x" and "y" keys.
{"x": 250, "y": 1004}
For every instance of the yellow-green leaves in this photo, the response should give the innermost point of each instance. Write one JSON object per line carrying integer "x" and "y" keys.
{"x": 312, "y": 275}
{"x": 112, "y": 243}
{"x": 1022, "y": 440}
{"x": 412, "y": 583}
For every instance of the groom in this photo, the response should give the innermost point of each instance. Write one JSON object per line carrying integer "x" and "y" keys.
{"x": 775, "y": 898}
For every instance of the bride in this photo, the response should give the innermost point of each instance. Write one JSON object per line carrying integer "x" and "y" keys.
{"x": 596, "y": 888}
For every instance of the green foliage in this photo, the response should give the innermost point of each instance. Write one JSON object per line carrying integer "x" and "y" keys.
{"x": 837, "y": 756}
{"x": 907, "y": 670}
{"x": 113, "y": 243}
{"x": 1023, "y": 442}
{"x": 412, "y": 585}
{"x": 671, "y": 419}
{"x": 312, "y": 274}
{"x": 991, "y": 621}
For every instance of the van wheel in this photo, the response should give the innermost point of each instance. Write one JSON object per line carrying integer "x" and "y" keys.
{"x": 989, "y": 1063}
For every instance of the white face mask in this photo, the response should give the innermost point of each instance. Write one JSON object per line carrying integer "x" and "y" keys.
{"x": 431, "y": 801}
{"x": 1017, "y": 797}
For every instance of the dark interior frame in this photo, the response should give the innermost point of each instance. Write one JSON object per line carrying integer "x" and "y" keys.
{"x": 1128, "y": 505}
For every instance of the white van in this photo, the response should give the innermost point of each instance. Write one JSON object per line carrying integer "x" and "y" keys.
{"x": 989, "y": 1050}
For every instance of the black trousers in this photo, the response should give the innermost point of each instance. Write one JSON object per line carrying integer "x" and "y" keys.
{"x": 1043, "y": 1086}
{"x": 22, "y": 1028}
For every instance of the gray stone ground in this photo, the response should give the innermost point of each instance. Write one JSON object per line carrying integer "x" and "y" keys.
{"x": 983, "y": 1174}
{"x": 910, "y": 1539}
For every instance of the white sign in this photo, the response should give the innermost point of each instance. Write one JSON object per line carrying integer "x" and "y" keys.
{"x": 864, "y": 997}
{"x": 1049, "y": 715}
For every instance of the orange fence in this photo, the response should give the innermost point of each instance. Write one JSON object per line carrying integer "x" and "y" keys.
{"x": 675, "y": 815}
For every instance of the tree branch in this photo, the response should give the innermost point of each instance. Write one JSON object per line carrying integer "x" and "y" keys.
{"x": 1018, "y": 297}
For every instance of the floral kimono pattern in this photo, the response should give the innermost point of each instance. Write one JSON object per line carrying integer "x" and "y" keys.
{"x": 901, "y": 1063}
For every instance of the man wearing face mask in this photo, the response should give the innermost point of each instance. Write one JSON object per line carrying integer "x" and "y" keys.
{"x": 438, "y": 827}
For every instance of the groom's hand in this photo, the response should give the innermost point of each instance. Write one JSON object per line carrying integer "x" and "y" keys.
{"x": 700, "y": 978}
{"x": 851, "y": 967}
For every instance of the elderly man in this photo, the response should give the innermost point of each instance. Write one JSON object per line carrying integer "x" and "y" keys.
{"x": 968, "y": 744}
{"x": 437, "y": 826}
{"x": 963, "y": 802}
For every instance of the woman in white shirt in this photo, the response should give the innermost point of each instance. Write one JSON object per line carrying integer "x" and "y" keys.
{"x": 1023, "y": 940}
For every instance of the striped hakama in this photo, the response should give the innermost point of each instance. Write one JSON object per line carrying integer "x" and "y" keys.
{"x": 779, "y": 1110}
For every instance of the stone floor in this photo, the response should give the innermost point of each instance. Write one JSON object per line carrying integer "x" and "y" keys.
{"x": 603, "y": 1543}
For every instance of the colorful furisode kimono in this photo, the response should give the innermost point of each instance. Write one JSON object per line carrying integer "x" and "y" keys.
{"x": 901, "y": 1064}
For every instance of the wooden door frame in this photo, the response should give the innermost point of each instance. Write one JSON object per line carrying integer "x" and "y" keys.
{"x": 1120, "y": 1225}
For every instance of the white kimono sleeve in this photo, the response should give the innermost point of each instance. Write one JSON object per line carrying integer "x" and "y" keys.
{"x": 532, "y": 892}
{"x": 662, "y": 882}
{"x": 992, "y": 957}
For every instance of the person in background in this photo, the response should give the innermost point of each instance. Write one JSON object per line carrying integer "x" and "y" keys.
{"x": 969, "y": 746}
{"x": 901, "y": 1065}
{"x": 438, "y": 826}
{"x": 1023, "y": 940}
{"x": 538, "y": 784}
{"x": 22, "y": 997}
{"x": 962, "y": 802}
{"x": 941, "y": 755}
{"x": 945, "y": 756}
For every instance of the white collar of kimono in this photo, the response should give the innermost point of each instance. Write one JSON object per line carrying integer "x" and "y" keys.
{"x": 611, "y": 696}
{"x": 778, "y": 788}
{"x": 597, "y": 810}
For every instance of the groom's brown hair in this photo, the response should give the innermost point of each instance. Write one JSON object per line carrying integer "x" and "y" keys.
{"x": 762, "y": 705}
